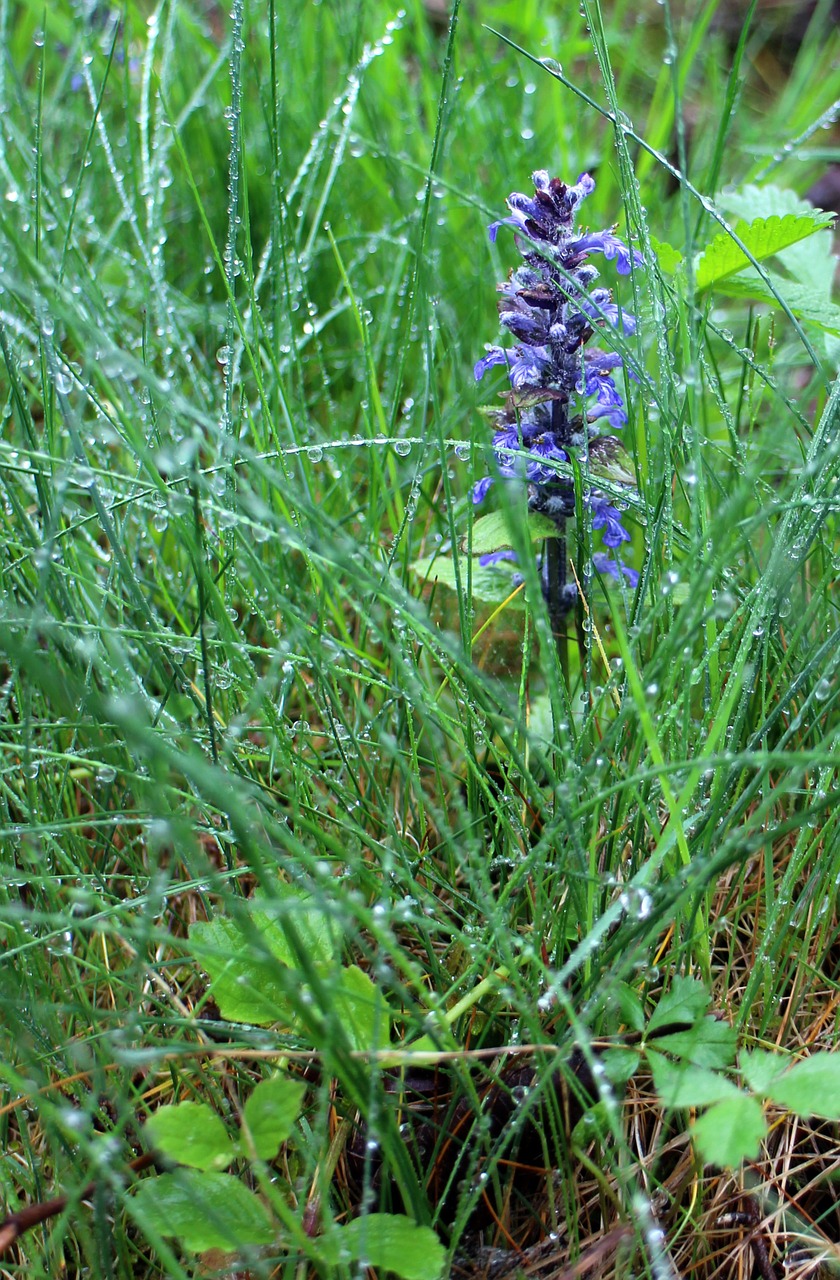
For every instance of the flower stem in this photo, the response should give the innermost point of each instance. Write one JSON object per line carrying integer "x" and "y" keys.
{"x": 557, "y": 597}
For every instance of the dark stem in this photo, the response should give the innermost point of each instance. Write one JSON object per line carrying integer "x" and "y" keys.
{"x": 557, "y": 597}
{"x": 13, "y": 1227}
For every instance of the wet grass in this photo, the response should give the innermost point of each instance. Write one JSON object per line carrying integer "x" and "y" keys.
{"x": 245, "y": 277}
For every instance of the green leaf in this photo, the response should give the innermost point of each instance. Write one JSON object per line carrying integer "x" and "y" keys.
{"x": 801, "y": 298}
{"x": 246, "y": 959}
{"x": 191, "y": 1133}
{"x": 296, "y": 930}
{"x": 492, "y": 584}
{"x": 271, "y": 1112}
{"x": 760, "y": 1068}
{"x": 620, "y": 1064}
{"x": 811, "y": 1088}
{"x": 201, "y": 1210}
{"x": 680, "y": 1084}
{"x": 730, "y": 1131}
{"x": 386, "y": 1242}
{"x": 707, "y": 1044}
{"x": 669, "y": 258}
{"x": 687, "y": 1001}
{"x": 630, "y": 1004}
{"x": 764, "y": 237}
{"x": 362, "y": 1011}
{"x": 492, "y": 533}
{"x": 245, "y": 985}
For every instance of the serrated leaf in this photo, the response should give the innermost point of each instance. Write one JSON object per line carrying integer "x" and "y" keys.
{"x": 191, "y": 1133}
{"x": 362, "y": 1011}
{"x": 707, "y": 1044}
{"x": 680, "y": 1084}
{"x": 386, "y": 1242}
{"x": 760, "y": 1068}
{"x": 687, "y": 1001}
{"x": 811, "y": 1088}
{"x": 730, "y": 1131}
{"x": 764, "y": 237}
{"x": 750, "y": 201}
{"x": 802, "y": 299}
{"x": 669, "y": 258}
{"x": 201, "y": 1210}
{"x": 270, "y": 1113}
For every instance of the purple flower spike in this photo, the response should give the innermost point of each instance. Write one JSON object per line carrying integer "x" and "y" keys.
{"x": 560, "y": 390}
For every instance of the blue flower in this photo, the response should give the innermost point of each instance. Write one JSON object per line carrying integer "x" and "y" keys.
{"x": 495, "y": 557}
{"x": 611, "y": 247}
{"x": 480, "y": 488}
{"x": 615, "y": 568}
{"x": 608, "y": 518}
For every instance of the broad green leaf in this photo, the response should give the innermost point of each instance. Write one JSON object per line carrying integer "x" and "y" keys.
{"x": 764, "y": 237}
{"x": 492, "y": 533}
{"x": 760, "y": 1068}
{"x": 191, "y": 1133}
{"x": 201, "y": 1210}
{"x": 245, "y": 985}
{"x": 680, "y": 1084}
{"x": 669, "y": 258}
{"x": 811, "y": 263}
{"x": 492, "y": 584}
{"x": 362, "y": 1011}
{"x": 801, "y": 298}
{"x": 687, "y": 1001}
{"x": 386, "y": 1242}
{"x": 708, "y": 1043}
{"x": 750, "y": 202}
{"x": 811, "y": 1088}
{"x": 296, "y": 928}
{"x": 271, "y": 1112}
{"x": 730, "y": 1131}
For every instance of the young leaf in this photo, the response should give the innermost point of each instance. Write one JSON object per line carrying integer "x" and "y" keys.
{"x": 191, "y": 1133}
{"x": 362, "y": 1011}
{"x": 730, "y": 1131}
{"x": 386, "y": 1242}
{"x": 687, "y": 1001}
{"x": 760, "y": 1068}
{"x": 201, "y": 1210}
{"x": 764, "y": 237}
{"x": 271, "y": 1112}
{"x": 811, "y": 1088}
{"x": 679, "y": 1084}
